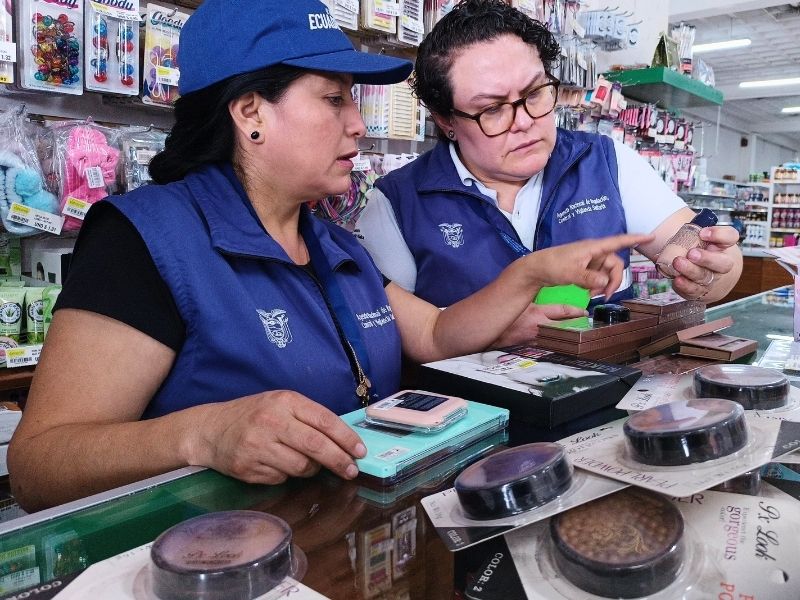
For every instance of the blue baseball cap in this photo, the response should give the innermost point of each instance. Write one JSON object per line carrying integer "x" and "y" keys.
{"x": 230, "y": 37}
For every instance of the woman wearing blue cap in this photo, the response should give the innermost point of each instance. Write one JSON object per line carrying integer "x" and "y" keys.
{"x": 211, "y": 320}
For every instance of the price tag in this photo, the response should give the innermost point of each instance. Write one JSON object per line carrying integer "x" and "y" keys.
{"x": 412, "y": 24}
{"x": 23, "y": 356}
{"x": 167, "y": 75}
{"x": 94, "y": 177}
{"x": 349, "y": 5}
{"x": 74, "y": 207}
{"x": 8, "y": 52}
{"x": 33, "y": 217}
{"x": 361, "y": 163}
{"x": 387, "y": 7}
{"x": 143, "y": 157}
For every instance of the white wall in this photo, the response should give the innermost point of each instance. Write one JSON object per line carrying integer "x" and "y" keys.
{"x": 729, "y": 158}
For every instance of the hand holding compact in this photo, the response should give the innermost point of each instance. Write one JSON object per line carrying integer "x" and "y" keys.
{"x": 267, "y": 437}
{"x": 697, "y": 271}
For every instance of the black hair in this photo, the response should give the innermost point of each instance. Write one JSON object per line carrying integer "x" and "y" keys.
{"x": 471, "y": 22}
{"x": 203, "y": 132}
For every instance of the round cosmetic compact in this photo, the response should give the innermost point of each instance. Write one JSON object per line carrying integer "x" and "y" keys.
{"x": 515, "y": 480}
{"x": 626, "y": 545}
{"x": 230, "y": 555}
{"x": 611, "y": 313}
{"x": 686, "y": 431}
{"x": 752, "y": 387}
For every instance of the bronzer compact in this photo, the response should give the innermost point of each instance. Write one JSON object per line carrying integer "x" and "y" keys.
{"x": 514, "y": 481}
{"x": 683, "y": 432}
{"x": 626, "y": 545}
{"x": 227, "y": 555}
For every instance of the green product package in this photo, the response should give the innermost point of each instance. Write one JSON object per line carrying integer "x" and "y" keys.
{"x": 49, "y": 296}
{"x": 12, "y": 299}
{"x": 10, "y": 255}
{"x": 563, "y": 294}
{"x": 34, "y": 314}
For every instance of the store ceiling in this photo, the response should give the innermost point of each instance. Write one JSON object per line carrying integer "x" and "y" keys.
{"x": 774, "y": 28}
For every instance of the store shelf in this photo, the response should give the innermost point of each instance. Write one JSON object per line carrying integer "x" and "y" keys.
{"x": 746, "y": 184}
{"x": 665, "y": 87}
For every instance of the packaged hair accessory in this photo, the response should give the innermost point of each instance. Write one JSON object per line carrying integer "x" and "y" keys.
{"x": 20, "y": 175}
{"x": 86, "y": 157}
{"x": 8, "y": 49}
{"x": 112, "y": 57}
{"x": 138, "y": 149}
{"x": 161, "y": 69}
{"x": 51, "y": 35}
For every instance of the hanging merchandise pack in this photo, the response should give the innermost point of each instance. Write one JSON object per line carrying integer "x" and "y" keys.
{"x": 86, "y": 158}
{"x": 139, "y": 146}
{"x": 20, "y": 174}
{"x": 112, "y": 57}
{"x": 161, "y": 68}
{"x": 8, "y": 49}
{"x": 50, "y": 33}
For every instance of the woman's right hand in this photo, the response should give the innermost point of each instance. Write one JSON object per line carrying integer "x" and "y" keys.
{"x": 267, "y": 437}
{"x": 591, "y": 264}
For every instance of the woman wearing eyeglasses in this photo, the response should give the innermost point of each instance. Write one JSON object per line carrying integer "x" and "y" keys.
{"x": 503, "y": 180}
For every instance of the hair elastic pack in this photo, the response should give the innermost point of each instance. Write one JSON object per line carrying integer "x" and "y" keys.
{"x": 112, "y": 59}
{"x": 161, "y": 69}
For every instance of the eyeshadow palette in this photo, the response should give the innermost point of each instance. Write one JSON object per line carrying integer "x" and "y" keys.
{"x": 228, "y": 555}
{"x": 626, "y": 545}
{"x": 753, "y": 387}
{"x": 684, "y": 431}
{"x": 514, "y": 480}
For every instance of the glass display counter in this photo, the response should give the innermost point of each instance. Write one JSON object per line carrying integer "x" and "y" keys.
{"x": 359, "y": 543}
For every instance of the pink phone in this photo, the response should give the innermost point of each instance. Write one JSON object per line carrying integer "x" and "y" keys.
{"x": 416, "y": 410}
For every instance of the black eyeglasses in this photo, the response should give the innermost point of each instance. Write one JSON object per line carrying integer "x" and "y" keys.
{"x": 499, "y": 118}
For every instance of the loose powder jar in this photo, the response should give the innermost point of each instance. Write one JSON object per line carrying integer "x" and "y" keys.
{"x": 514, "y": 480}
{"x": 752, "y": 387}
{"x": 228, "y": 555}
{"x": 686, "y": 431}
{"x": 626, "y": 545}
{"x": 611, "y": 313}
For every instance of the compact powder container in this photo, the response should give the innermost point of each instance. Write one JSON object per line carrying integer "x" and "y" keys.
{"x": 230, "y": 555}
{"x": 611, "y": 313}
{"x": 626, "y": 545}
{"x": 747, "y": 483}
{"x": 515, "y": 480}
{"x": 752, "y": 387}
{"x": 686, "y": 431}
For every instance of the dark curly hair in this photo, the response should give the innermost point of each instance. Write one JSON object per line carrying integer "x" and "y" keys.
{"x": 471, "y": 22}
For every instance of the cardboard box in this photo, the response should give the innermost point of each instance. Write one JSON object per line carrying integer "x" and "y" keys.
{"x": 48, "y": 259}
{"x": 718, "y": 346}
{"x": 538, "y": 386}
{"x": 674, "y": 339}
{"x": 666, "y": 306}
{"x": 584, "y": 329}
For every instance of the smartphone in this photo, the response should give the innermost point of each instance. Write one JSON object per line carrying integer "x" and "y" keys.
{"x": 415, "y": 410}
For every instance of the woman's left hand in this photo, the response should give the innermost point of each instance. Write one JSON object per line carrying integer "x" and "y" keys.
{"x": 702, "y": 267}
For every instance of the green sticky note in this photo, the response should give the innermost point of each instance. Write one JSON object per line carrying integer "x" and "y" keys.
{"x": 563, "y": 294}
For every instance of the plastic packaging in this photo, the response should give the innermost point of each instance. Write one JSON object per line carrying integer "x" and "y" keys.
{"x": 230, "y": 555}
{"x": 138, "y": 149}
{"x": 50, "y": 35}
{"x": 683, "y": 432}
{"x": 755, "y": 388}
{"x": 112, "y": 56}
{"x": 161, "y": 70}
{"x": 20, "y": 173}
{"x": 514, "y": 480}
{"x": 625, "y": 545}
{"x": 686, "y": 238}
{"x": 7, "y": 36}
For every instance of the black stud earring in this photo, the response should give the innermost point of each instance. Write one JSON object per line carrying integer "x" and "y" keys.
{"x": 451, "y": 134}
{"x": 255, "y": 135}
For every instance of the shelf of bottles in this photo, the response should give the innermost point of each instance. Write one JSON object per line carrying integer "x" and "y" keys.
{"x": 784, "y": 207}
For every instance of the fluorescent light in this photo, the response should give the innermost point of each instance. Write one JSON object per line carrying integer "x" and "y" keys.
{"x": 791, "y": 109}
{"x": 770, "y": 82}
{"x": 726, "y": 45}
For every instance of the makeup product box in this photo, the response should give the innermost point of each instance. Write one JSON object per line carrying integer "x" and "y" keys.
{"x": 538, "y": 386}
{"x": 394, "y": 455}
{"x": 718, "y": 346}
{"x": 48, "y": 259}
{"x": 666, "y": 306}
{"x": 683, "y": 335}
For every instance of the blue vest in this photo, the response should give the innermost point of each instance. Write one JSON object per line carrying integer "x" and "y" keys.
{"x": 254, "y": 320}
{"x": 458, "y": 249}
